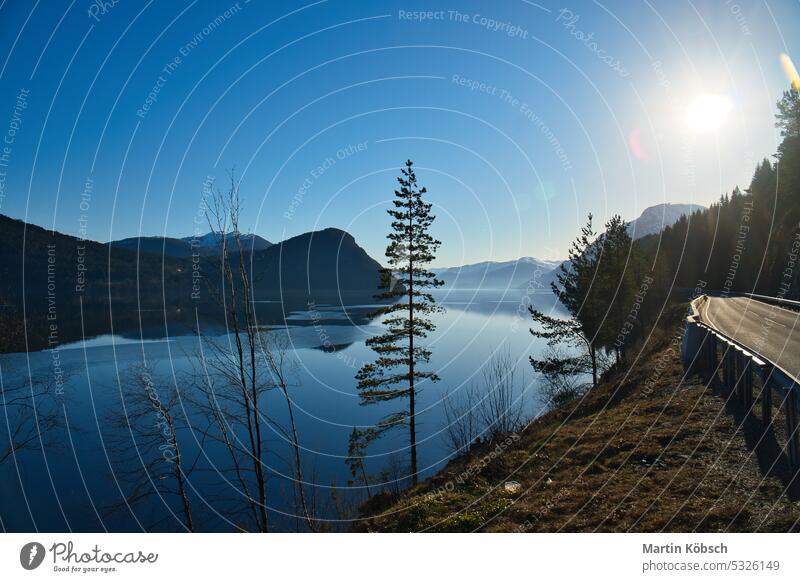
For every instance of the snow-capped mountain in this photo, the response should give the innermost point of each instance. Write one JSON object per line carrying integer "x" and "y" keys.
{"x": 656, "y": 218}
{"x": 517, "y": 274}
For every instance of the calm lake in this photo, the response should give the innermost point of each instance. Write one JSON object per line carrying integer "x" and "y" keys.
{"x": 69, "y": 487}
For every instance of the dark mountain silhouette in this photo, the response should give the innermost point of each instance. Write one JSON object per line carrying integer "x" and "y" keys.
{"x": 51, "y": 278}
{"x": 321, "y": 262}
{"x": 205, "y": 245}
{"x": 212, "y": 241}
{"x": 159, "y": 245}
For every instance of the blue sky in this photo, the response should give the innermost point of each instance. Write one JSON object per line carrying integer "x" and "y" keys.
{"x": 521, "y": 117}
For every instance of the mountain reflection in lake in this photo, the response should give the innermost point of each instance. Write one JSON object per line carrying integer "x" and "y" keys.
{"x": 67, "y": 487}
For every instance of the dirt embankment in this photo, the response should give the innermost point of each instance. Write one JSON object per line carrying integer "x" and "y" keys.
{"x": 648, "y": 450}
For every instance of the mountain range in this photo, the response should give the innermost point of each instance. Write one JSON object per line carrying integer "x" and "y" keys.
{"x": 213, "y": 241}
{"x": 327, "y": 260}
{"x": 83, "y": 287}
{"x": 204, "y": 245}
{"x": 516, "y": 274}
{"x": 532, "y": 273}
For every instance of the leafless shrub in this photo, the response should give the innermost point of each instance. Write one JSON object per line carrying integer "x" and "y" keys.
{"x": 232, "y": 377}
{"x": 395, "y": 475}
{"x": 30, "y": 405}
{"x": 145, "y": 446}
{"x": 501, "y": 408}
{"x": 462, "y": 423}
{"x": 30, "y": 413}
{"x": 562, "y": 384}
{"x": 344, "y": 508}
{"x": 493, "y": 408}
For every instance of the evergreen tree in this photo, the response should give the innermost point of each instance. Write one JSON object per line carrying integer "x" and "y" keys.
{"x": 574, "y": 289}
{"x": 788, "y": 120}
{"x": 619, "y": 275}
{"x": 396, "y": 372}
{"x": 788, "y": 117}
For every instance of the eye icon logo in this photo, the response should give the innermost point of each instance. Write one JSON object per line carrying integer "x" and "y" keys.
{"x": 31, "y": 555}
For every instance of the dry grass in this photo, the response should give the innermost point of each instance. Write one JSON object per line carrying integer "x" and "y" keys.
{"x": 648, "y": 450}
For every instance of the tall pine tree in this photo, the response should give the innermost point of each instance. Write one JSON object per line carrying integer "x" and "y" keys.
{"x": 574, "y": 288}
{"x": 396, "y": 371}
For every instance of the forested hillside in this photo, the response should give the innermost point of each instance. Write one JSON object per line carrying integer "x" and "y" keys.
{"x": 84, "y": 286}
{"x": 748, "y": 241}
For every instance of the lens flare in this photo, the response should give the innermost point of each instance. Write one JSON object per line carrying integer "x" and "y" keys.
{"x": 791, "y": 71}
{"x": 637, "y": 145}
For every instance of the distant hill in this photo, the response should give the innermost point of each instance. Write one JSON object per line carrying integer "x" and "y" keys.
{"x": 322, "y": 262}
{"x": 171, "y": 247}
{"x": 53, "y": 279}
{"x": 656, "y": 218}
{"x": 212, "y": 241}
{"x": 517, "y": 274}
{"x": 205, "y": 245}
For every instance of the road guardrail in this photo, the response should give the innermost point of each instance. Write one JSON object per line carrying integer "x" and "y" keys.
{"x": 704, "y": 350}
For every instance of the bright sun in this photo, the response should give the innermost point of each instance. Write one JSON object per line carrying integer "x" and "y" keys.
{"x": 708, "y": 112}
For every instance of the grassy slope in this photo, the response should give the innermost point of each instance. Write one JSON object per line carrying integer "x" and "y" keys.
{"x": 648, "y": 450}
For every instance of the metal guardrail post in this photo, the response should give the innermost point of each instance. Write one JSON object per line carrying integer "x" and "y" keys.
{"x": 766, "y": 398}
{"x": 699, "y": 364}
{"x": 792, "y": 436}
{"x": 712, "y": 355}
{"x": 693, "y": 346}
{"x": 723, "y": 363}
{"x": 700, "y": 361}
{"x": 730, "y": 360}
{"x": 746, "y": 382}
{"x": 728, "y": 368}
{"x": 738, "y": 376}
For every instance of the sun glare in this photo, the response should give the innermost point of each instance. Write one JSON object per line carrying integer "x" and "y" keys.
{"x": 708, "y": 112}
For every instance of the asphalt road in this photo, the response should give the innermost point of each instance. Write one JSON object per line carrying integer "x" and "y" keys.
{"x": 768, "y": 330}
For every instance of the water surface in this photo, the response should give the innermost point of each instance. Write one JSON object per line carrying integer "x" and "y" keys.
{"x": 68, "y": 488}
